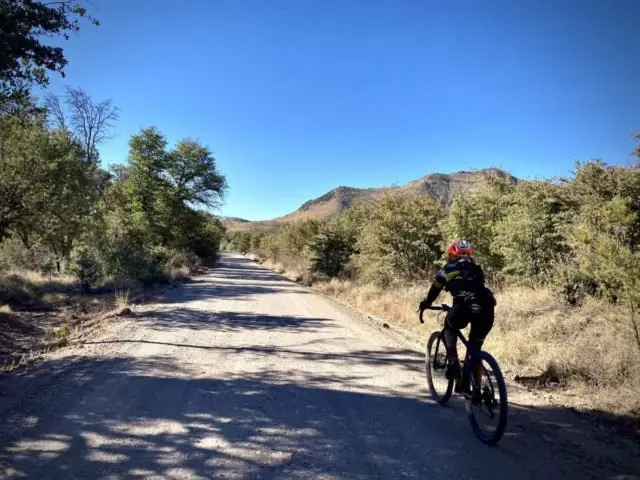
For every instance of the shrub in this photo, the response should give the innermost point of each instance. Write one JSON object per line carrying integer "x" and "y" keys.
{"x": 200, "y": 238}
{"x": 16, "y": 290}
{"x": 329, "y": 252}
{"x": 530, "y": 234}
{"x": 86, "y": 267}
{"x": 14, "y": 254}
{"x": 183, "y": 259}
{"x": 474, "y": 217}
{"x": 62, "y": 335}
{"x": 402, "y": 240}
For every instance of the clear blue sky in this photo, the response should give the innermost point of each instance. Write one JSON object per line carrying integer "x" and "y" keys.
{"x": 296, "y": 97}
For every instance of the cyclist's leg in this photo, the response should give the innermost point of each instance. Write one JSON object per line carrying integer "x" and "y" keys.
{"x": 453, "y": 363}
{"x": 456, "y": 318}
{"x": 481, "y": 324}
{"x": 450, "y": 338}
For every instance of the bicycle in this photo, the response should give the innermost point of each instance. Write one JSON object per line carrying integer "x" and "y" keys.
{"x": 481, "y": 402}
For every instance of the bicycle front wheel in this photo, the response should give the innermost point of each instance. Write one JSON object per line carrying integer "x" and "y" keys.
{"x": 488, "y": 409}
{"x": 440, "y": 386}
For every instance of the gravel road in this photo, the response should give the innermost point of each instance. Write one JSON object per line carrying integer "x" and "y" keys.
{"x": 243, "y": 374}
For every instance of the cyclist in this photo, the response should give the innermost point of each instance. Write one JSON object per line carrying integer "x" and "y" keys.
{"x": 473, "y": 303}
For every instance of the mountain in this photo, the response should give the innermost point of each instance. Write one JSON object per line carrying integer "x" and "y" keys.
{"x": 445, "y": 187}
{"x": 234, "y": 220}
{"x": 442, "y": 186}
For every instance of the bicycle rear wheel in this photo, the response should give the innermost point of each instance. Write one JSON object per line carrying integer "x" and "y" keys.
{"x": 436, "y": 366}
{"x": 488, "y": 411}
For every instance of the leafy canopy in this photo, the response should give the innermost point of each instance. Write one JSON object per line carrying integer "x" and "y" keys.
{"x": 25, "y": 56}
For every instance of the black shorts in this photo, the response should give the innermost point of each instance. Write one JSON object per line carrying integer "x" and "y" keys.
{"x": 480, "y": 316}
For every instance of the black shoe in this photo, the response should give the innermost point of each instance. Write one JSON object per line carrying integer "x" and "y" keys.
{"x": 475, "y": 397}
{"x": 453, "y": 369}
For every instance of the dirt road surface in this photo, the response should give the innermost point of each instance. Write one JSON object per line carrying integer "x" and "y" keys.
{"x": 242, "y": 374}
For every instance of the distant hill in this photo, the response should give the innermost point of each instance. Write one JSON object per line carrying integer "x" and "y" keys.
{"x": 235, "y": 220}
{"x": 444, "y": 187}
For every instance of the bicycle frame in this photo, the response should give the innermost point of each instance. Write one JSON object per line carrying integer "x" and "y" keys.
{"x": 480, "y": 395}
{"x": 470, "y": 352}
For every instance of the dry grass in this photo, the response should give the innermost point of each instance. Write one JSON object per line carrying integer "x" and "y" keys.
{"x": 39, "y": 314}
{"x": 589, "y": 350}
{"x": 42, "y": 280}
{"x": 294, "y": 268}
{"x": 397, "y": 305}
{"x": 266, "y": 226}
{"x": 54, "y": 298}
{"x": 86, "y": 303}
{"x": 41, "y": 311}
{"x": 24, "y": 287}
{"x": 178, "y": 273}
{"x": 122, "y": 299}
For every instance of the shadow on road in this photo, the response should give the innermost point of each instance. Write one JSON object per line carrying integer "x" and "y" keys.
{"x": 403, "y": 358}
{"x": 235, "y": 278}
{"x": 139, "y": 422}
{"x": 180, "y": 318}
{"x": 219, "y": 287}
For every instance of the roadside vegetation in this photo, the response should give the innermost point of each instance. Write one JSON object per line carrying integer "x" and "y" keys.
{"x": 76, "y": 227}
{"x": 562, "y": 255}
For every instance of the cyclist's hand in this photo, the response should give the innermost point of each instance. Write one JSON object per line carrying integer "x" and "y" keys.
{"x": 424, "y": 304}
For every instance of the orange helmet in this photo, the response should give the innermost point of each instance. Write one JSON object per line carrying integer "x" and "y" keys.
{"x": 459, "y": 248}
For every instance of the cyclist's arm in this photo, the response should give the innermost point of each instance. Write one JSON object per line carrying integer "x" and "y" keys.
{"x": 434, "y": 290}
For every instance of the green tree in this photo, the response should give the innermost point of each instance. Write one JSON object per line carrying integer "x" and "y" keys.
{"x": 296, "y": 237}
{"x": 595, "y": 184}
{"x": 603, "y": 233}
{"x": 141, "y": 187}
{"x": 25, "y": 58}
{"x": 330, "y": 250}
{"x": 352, "y": 222}
{"x": 256, "y": 241}
{"x": 193, "y": 175}
{"x": 530, "y": 236}
{"x": 86, "y": 267}
{"x": 150, "y": 210}
{"x": 401, "y": 240}
{"x": 475, "y": 217}
{"x": 200, "y": 233}
{"x": 46, "y": 192}
{"x": 243, "y": 242}
{"x": 160, "y": 188}
{"x": 68, "y": 195}
{"x": 605, "y": 257}
{"x": 272, "y": 246}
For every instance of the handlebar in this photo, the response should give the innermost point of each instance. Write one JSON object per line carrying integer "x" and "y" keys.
{"x": 442, "y": 308}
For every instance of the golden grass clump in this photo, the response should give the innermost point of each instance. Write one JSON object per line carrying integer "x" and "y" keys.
{"x": 25, "y": 287}
{"x": 122, "y": 299}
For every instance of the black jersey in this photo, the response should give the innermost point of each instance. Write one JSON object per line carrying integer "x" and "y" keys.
{"x": 464, "y": 279}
